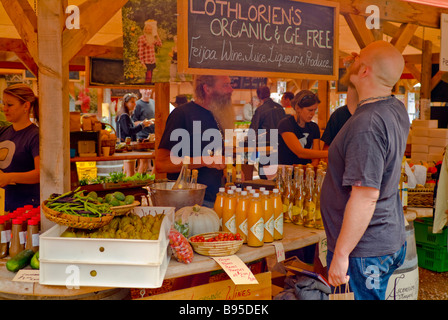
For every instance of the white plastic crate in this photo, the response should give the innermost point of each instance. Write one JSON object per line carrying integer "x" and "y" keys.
{"x": 74, "y": 274}
{"x": 118, "y": 251}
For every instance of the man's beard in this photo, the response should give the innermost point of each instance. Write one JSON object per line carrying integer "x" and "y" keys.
{"x": 222, "y": 110}
{"x": 352, "y": 70}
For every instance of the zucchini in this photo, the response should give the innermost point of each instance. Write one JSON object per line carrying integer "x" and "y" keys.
{"x": 35, "y": 261}
{"x": 19, "y": 261}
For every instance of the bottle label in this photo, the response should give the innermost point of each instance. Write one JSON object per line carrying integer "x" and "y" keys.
{"x": 35, "y": 239}
{"x": 269, "y": 225}
{"x": 258, "y": 229}
{"x": 4, "y": 237}
{"x": 278, "y": 223}
{"x": 231, "y": 225}
{"x": 22, "y": 237}
{"x": 243, "y": 227}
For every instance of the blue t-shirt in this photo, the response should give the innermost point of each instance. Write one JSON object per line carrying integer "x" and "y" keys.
{"x": 195, "y": 122}
{"x": 368, "y": 152}
{"x": 305, "y": 135}
{"x": 17, "y": 152}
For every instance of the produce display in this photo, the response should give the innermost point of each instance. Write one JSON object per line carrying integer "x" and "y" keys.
{"x": 117, "y": 198}
{"x": 222, "y": 236}
{"x": 78, "y": 204}
{"x": 116, "y": 177}
{"x": 182, "y": 250}
{"x": 130, "y": 226}
{"x": 23, "y": 259}
{"x": 195, "y": 219}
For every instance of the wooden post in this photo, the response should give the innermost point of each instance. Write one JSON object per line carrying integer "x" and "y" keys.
{"x": 324, "y": 106}
{"x": 162, "y": 111}
{"x": 54, "y": 103}
{"x": 426, "y": 75}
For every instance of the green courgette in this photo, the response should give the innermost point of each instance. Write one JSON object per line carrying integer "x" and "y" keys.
{"x": 35, "y": 261}
{"x": 19, "y": 261}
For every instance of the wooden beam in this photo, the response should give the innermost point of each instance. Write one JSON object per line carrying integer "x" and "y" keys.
{"x": 436, "y": 79}
{"x": 54, "y": 103}
{"x": 24, "y": 19}
{"x": 391, "y": 30}
{"x": 94, "y": 14}
{"x": 162, "y": 111}
{"x": 324, "y": 107}
{"x": 425, "y": 89}
{"x": 357, "y": 25}
{"x": 403, "y": 36}
{"x": 414, "y": 71}
{"x": 398, "y": 11}
{"x": 19, "y": 48}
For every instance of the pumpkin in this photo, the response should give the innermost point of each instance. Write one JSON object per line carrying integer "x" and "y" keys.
{"x": 198, "y": 219}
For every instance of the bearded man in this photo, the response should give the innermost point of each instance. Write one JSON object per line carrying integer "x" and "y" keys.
{"x": 196, "y": 129}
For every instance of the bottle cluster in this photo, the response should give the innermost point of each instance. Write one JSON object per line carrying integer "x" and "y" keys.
{"x": 300, "y": 188}
{"x": 19, "y": 230}
{"x": 256, "y": 215}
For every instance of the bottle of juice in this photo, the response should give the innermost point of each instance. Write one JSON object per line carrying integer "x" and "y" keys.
{"x": 320, "y": 175}
{"x": 255, "y": 223}
{"x": 228, "y": 213}
{"x": 309, "y": 207}
{"x": 219, "y": 204}
{"x": 242, "y": 210}
{"x": 297, "y": 207}
{"x": 229, "y": 172}
{"x": 287, "y": 196}
{"x": 278, "y": 214}
{"x": 268, "y": 217}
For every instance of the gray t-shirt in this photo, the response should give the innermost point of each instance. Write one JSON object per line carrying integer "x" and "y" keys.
{"x": 144, "y": 110}
{"x": 368, "y": 151}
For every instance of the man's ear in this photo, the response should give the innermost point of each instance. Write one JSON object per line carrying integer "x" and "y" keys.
{"x": 364, "y": 71}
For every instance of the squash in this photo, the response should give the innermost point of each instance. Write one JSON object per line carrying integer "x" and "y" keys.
{"x": 198, "y": 219}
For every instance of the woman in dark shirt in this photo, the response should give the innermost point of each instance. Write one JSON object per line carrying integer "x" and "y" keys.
{"x": 298, "y": 135}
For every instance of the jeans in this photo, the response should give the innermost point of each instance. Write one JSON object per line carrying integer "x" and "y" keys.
{"x": 369, "y": 276}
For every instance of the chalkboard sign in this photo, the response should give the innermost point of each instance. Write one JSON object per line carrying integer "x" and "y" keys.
{"x": 263, "y": 38}
{"x": 108, "y": 73}
{"x": 247, "y": 82}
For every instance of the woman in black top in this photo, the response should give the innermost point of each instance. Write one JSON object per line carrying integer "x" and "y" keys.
{"x": 298, "y": 135}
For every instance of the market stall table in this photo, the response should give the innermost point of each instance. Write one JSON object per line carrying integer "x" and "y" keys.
{"x": 295, "y": 237}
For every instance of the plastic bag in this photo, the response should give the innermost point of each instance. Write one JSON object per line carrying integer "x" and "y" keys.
{"x": 182, "y": 250}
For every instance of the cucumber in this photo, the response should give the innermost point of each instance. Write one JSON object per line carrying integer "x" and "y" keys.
{"x": 35, "y": 261}
{"x": 19, "y": 261}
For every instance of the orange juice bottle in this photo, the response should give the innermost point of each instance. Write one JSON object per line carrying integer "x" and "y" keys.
{"x": 219, "y": 204}
{"x": 268, "y": 217}
{"x": 278, "y": 214}
{"x": 255, "y": 222}
{"x": 242, "y": 210}
{"x": 228, "y": 213}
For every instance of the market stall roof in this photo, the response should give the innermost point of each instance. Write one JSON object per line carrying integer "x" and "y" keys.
{"x": 111, "y": 33}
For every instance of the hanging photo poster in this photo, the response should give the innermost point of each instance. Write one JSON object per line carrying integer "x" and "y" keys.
{"x": 259, "y": 38}
{"x": 150, "y": 42}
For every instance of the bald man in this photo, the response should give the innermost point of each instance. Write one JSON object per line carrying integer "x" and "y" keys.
{"x": 360, "y": 203}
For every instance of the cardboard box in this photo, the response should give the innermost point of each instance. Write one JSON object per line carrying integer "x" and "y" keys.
{"x": 436, "y": 150}
{"x": 434, "y": 157}
{"x": 425, "y": 123}
{"x": 438, "y": 133}
{"x": 420, "y": 140}
{"x": 420, "y": 131}
{"x": 437, "y": 142}
{"x": 417, "y": 157}
{"x": 420, "y": 148}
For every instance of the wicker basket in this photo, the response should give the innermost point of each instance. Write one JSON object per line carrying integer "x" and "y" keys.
{"x": 215, "y": 248}
{"x": 75, "y": 221}
{"x": 111, "y": 143}
{"x": 122, "y": 210}
{"x": 421, "y": 197}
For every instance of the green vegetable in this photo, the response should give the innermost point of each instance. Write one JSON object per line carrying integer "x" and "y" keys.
{"x": 119, "y": 195}
{"x": 35, "y": 261}
{"x": 129, "y": 199}
{"x": 19, "y": 261}
{"x": 92, "y": 195}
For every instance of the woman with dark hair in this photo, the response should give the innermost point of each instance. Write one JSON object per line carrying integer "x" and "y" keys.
{"x": 19, "y": 148}
{"x": 126, "y": 127}
{"x": 298, "y": 136}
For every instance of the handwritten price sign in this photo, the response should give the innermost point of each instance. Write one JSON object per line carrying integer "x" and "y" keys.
{"x": 236, "y": 269}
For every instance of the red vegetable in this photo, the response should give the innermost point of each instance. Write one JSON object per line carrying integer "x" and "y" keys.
{"x": 182, "y": 250}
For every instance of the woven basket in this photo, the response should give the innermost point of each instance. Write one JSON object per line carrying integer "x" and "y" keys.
{"x": 75, "y": 221}
{"x": 111, "y": 143}
{"x": 216, "y": 248}
{"x": 421, "y": 197}
{"x": 122, "y": 210}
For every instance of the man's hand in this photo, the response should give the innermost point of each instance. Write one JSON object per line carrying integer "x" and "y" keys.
{"x": 337, "y": 274}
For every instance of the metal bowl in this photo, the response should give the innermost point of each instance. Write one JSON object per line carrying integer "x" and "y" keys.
{"x": 162, "y": 195}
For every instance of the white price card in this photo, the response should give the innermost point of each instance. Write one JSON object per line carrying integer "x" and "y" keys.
{"x": 236, "y": 269}
{"x": 26, "y": 275}
{"x": 279, "y": 251}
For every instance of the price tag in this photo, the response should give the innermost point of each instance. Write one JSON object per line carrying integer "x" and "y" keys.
{"x": 279, "y": 251}
{"x": 323, "y": 251}
{"x": 236, "y": 269}
{"x": 27, "y": 276}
